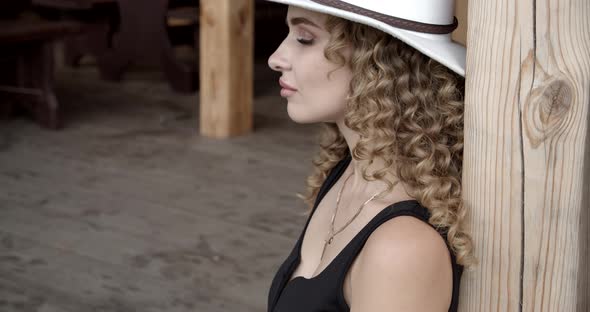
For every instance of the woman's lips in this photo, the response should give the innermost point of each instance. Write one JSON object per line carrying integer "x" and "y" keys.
{"x": 286, "y": 90}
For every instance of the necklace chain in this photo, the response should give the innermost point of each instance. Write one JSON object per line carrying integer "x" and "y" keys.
{"x": 332, "y": 233}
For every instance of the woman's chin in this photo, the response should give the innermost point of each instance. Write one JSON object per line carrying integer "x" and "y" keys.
{"x": 299, "y": 117}
{"x": 299, "y": 120}
{"x": 294, "y": 114}
{"x": 307, "y": 117}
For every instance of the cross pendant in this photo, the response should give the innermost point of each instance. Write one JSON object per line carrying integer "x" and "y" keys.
{"x": 329, "y": 241}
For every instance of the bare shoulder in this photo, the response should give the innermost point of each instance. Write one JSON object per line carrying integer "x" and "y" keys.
{"x": 404, "y": 266}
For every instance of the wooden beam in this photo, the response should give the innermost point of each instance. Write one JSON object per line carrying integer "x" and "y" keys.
{"x": 526, "y": 162}
{"x": 460, "y": 34}
{"x": 226, "y": 62}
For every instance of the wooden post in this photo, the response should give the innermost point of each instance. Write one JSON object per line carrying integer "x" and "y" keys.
{"x": 460, "y": 34}
{"x": 527, "y": 155}
{"x": 226, "y": 62}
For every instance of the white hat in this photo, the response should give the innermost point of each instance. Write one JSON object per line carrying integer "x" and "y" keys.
{"x": 425, "y": 25}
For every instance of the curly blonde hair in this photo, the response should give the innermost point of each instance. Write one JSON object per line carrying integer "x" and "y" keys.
{"x": 408, "y": 111}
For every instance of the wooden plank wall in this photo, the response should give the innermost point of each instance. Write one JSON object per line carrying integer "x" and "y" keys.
{"x": 526, "y": 155}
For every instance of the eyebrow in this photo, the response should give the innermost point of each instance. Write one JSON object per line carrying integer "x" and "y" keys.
{"x": 301, "y": 20}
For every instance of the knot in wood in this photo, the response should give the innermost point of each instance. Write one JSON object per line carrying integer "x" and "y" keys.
{"x": 554, "y": 102}
{"x": 547, "y": 110}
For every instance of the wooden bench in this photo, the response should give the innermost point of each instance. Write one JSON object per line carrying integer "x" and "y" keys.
{"x": 27, "y": 59}
{"x": 143, "y": 33}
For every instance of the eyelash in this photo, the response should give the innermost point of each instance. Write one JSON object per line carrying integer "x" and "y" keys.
{"x": 305, "y": 41}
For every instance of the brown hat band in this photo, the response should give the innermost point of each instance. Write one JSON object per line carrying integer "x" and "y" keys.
{"x": 391, "y": 20}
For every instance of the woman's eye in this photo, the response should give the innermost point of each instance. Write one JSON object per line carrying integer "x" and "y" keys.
{"x": 305, "y": 41}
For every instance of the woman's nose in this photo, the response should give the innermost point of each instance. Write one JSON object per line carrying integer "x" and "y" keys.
{"x": 277, "y": 61}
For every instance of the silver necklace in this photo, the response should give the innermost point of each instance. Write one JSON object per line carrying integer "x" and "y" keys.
{"x": 332, "y": 233}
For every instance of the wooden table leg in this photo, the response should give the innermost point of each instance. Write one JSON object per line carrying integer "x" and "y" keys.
{"x": 47, "y": 111}
{"x": 143, "y": 39}
{"x": 33, "y": 82}
{"x": 226, "y": 67}
{"x": 93, "y": 39}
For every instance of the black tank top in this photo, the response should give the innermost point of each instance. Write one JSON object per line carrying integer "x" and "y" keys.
{"x": 324, "y": 292}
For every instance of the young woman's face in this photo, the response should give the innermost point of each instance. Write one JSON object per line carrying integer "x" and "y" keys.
{"x": 311, "y": 95}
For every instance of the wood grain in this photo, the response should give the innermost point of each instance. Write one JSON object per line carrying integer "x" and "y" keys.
{"x": 226, "y": 58}
{"x": 526, "y": 155}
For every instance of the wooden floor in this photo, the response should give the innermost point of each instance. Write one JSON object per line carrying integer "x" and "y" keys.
{"x": 128, "y": 209}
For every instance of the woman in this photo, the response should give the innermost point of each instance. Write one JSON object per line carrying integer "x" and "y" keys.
{"x": 385, "y": 231}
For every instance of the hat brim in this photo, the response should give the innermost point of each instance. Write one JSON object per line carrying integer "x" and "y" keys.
{"x": 438, "y": 47}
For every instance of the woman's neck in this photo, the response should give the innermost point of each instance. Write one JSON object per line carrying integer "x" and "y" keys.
{"x": 358, "y": 184}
